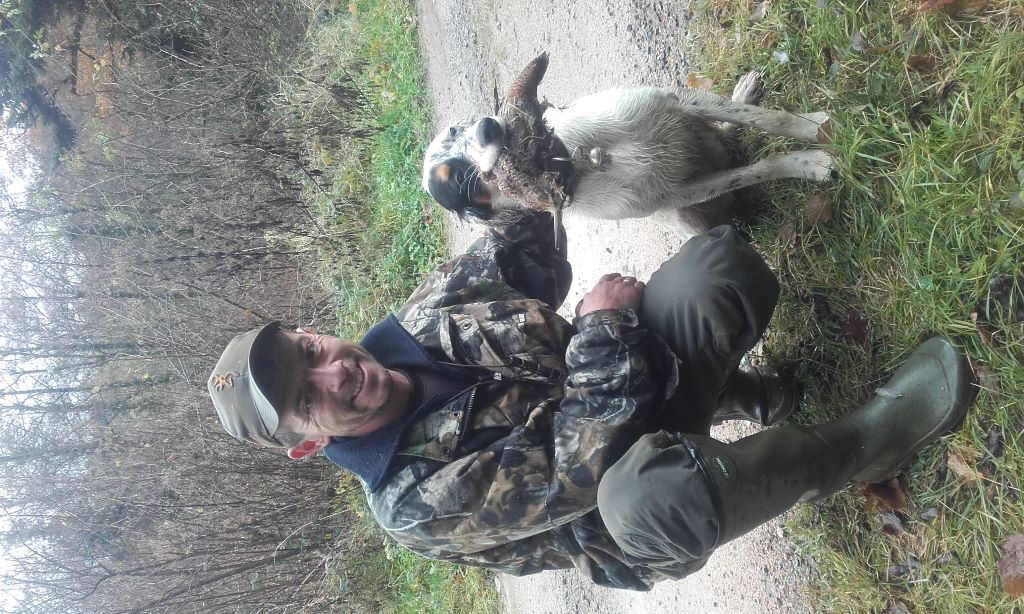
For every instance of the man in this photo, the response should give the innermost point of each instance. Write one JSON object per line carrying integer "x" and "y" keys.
{"x": 489, "y": 431}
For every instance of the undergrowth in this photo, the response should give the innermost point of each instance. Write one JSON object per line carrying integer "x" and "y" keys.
{"x": 925, "y": 238}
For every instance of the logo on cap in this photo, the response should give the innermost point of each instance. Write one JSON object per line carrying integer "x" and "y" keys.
{"x": 220, "y": 382}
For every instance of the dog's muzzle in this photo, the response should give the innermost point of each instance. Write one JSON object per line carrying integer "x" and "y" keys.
{"x": 455, "y": 186}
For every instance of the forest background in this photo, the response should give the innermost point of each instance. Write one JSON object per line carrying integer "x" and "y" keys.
{"x": 176, "y": 172}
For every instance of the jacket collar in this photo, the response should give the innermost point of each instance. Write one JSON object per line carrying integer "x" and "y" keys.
{"x": 370, "y": 455}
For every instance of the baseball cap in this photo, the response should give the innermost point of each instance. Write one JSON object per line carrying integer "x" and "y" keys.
{"x": 242, "y": 405}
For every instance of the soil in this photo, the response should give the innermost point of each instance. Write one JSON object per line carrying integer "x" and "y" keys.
{"x": 472, "y": 46}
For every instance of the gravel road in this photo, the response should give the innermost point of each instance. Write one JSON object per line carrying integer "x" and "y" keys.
{"x": 470, "y": 46}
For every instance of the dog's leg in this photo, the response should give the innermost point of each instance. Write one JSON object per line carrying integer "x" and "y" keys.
{"x": 749, "y": 90}
{"x": 809, "y": 127}
{"x": 815, "y": 165}
{"x": 706, "y": 203}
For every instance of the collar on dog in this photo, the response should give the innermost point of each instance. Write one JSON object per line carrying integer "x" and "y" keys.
{"x": 559, "y": 161}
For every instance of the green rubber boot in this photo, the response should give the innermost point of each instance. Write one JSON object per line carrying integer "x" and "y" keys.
{"x": 762, "y": 476}
{"x": 759, "y": 394}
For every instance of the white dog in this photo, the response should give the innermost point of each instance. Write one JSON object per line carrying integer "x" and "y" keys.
{"x": 636, "y": 152}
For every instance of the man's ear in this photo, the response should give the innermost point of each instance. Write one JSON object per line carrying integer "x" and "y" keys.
{"x": 307, "y": 447}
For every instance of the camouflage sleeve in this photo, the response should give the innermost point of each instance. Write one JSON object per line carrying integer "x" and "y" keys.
{"x": 545, "y": 472}
{"x": 509, "y": 261}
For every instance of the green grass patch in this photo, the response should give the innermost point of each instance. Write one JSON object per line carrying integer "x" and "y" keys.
{"x": 357, "y": 95}
{"x": 377, "y": 575}
{"x": 928, "y": 131}
{"x": 363, "y": 70}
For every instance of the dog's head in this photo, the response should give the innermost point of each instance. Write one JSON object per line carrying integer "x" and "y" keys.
{"x": 453, "y": 165}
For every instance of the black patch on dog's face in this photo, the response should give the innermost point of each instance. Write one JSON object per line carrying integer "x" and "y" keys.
{"x": 451, "y": 183}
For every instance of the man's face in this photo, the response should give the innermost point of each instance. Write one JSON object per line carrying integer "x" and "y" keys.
{"x": 327, "y": 386}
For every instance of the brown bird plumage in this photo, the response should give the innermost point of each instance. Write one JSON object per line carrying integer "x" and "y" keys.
{"x": 522, "y": 168}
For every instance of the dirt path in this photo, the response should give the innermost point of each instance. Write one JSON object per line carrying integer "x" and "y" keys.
{"x": 471, "y": 45}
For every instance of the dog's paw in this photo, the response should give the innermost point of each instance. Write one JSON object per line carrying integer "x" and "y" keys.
{"x": 812, "y": 164}
{"x": 749, "y": 89}
{"x": 818, "y": 165}
{"x": 823, "y": 134}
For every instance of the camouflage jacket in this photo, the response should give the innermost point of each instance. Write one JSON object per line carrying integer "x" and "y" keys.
{"x": 505, "y": 474}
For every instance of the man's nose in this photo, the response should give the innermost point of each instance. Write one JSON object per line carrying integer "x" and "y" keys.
{"x": 329, "y": 376}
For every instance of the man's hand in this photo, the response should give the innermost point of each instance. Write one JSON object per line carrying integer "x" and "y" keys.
{"x": 612, "y": 291}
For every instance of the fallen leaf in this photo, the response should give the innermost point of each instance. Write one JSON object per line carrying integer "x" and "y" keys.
{"x": 1011, "y": 565}
{"x": 949, "y": 7}
{"x": 930, "y": 514}
{"x": 831, "y": 73}
{"x": 1003, "y": 302}
{"x": 859, "y": 42}
{"x": 891, "y": 524}
{"x": 987, "y": 469}
{"x": 1017, "y": 200}
{"x": 943, "y": 559}
{"x": 947, "y": 88}
{"x": 942, "y": 471}
{"x": 993, "y": 443}
{"x": 881, "y": 50}
{"x": 952, "y": 7}
{"x": 986, "y": 378}
{"x": 922, "y": 63}
{"x": 781, "y": 57}
{"x": 905, "y": 568}
{"x": 787, "y": 235}
{"x": 884, "y": 497}
{"x": 760, "y": 11}
{"x": 856, "y": 328}
{"x": 896, "y": 607}
{"x": 699, "y": 82}
{"x": 962, "y": 467}
{"x": 818, "y": 208}
{"x": 983, "y": 331}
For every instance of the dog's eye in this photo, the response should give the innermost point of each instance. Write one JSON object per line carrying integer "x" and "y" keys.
{"x": 452, "y": 131}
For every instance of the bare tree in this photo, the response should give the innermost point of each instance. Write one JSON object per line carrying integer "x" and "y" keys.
{"x": 177, "y": 219}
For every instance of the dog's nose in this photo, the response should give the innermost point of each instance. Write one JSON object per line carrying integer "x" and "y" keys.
{"x": 489, "y": 132}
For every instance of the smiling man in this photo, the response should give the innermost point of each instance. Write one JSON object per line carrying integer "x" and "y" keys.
{"x": 487, "y": 430}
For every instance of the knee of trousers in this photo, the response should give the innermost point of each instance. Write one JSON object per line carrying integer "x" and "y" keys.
{"x": 657, "y": 505}
{"x": 721, "y": 256}
{"x": 717, "y": 283}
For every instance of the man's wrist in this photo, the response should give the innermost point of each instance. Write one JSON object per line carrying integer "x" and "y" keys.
{"x": 608, "y": 316}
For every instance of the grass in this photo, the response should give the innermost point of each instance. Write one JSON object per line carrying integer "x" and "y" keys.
{"x": 928, "y": 132}
{"x": 366, "y": 51}
{"x": 927, "y": 125}
{"x": 362, "y": 70}
{"x": 385, "y": 578}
